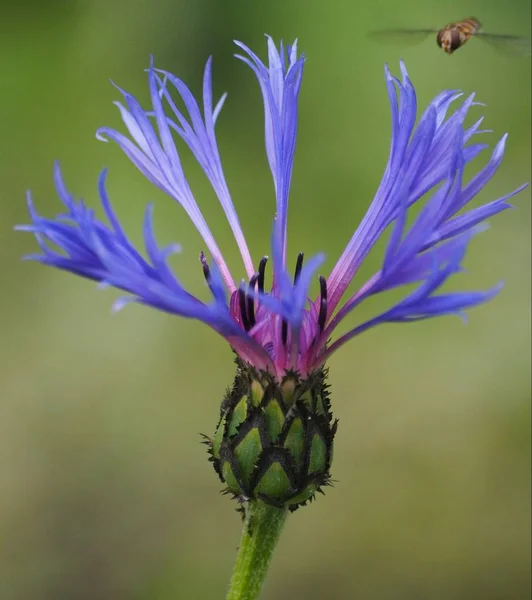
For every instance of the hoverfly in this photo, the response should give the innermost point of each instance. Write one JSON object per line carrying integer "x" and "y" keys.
{"x": 455, "y": 35}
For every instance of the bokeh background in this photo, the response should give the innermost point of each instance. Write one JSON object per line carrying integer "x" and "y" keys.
{"x": 105, "y": 492}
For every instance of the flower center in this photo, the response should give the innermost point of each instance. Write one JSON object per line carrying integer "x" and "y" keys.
{"x": 247, "y": 295}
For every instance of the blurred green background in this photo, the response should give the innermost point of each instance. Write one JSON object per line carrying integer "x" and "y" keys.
{"x": 105, "y": 492}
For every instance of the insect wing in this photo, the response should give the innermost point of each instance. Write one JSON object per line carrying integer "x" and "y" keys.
{"x": 403, "y": 36}
{"x": 509, "y": 44}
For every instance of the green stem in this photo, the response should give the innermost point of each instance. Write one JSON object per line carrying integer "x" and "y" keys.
{"x": 262, "y": 528}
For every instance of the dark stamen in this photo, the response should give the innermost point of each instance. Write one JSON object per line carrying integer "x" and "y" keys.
{"x": 243, "y": 313}
{"x": 206, "y": 270}
{"x": 284, "y": 332}
{"x": 323, "y": 303}
{"x": 262, "y": 268}
{"x": 251, "y": 301}
{"x": 299, "y": 266}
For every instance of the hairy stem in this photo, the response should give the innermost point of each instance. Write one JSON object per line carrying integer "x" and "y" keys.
{"x": 262, "y": 527}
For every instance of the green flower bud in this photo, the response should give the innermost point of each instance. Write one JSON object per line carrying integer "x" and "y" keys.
{"x": 274, "y": 440}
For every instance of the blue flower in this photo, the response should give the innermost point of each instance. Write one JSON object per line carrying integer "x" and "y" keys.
{"x": 282, "y": 328}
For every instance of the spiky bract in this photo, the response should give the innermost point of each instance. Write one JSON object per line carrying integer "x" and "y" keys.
{"x": 274, "y": 441}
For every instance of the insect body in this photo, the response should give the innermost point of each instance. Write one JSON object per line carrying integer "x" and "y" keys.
{"x": 455, "y": 35}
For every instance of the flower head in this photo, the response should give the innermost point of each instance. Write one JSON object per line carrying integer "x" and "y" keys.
{"x": 281, "y": 329}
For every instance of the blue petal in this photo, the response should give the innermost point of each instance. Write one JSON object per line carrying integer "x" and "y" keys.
{"x": 280, "y": 84}
{"x": 428, "y": 158}
{"x": 92, "y": 249}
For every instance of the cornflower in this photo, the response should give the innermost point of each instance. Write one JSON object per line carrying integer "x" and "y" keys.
{"x": 272, "y": 447}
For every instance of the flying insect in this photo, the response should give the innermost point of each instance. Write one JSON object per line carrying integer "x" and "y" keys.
{"x": 454, "y": 35}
